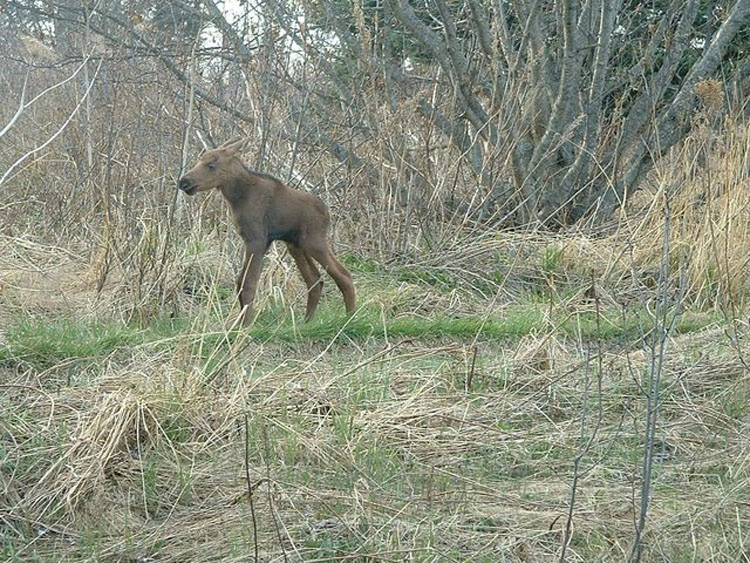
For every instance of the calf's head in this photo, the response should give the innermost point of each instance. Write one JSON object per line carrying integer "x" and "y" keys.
{"x": 215, "y": 169}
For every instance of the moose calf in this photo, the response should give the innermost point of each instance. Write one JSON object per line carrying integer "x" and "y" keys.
{"x": 265, "y": 210}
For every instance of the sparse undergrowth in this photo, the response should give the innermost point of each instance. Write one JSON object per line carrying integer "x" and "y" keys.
{"x": 394, "y": 434}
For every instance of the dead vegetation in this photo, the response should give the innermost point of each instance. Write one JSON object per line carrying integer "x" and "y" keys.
{"x": 372, "y": 450}
{"x": 510, "y": 395}
{"x": 376, "y": 447}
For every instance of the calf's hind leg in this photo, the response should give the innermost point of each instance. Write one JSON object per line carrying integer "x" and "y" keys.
{"x": 311, "y": 276}
{"x": 322, "y": 253}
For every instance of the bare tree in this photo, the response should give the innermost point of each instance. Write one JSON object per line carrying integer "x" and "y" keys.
{"x": 554, "y": 111}
{"x": 591, "y": 109}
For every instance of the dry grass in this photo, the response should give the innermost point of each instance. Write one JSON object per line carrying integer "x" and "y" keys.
{"x": 706, "y": 184}
{"x": 440, "y": 423}
{"x": 364, "y": 448}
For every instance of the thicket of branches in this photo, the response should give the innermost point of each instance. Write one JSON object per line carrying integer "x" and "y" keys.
{"x": 414, "y": 117}
{"x": 423, "y": 125}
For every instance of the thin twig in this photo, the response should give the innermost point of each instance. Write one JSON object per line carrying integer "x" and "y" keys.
{"x": 266, "y": 447}
{"x": 470, "y": 376}
{"x": 250, "y": 489}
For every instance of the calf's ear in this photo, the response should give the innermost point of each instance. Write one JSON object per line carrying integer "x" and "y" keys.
{"x": 229, "y": 142}
{"x": 230, "y": 148}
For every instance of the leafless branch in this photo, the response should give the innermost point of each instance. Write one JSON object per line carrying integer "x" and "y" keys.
{"x": 57, "y": 133}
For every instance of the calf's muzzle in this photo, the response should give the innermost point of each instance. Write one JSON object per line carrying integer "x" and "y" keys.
{"x": 187, "y": 186}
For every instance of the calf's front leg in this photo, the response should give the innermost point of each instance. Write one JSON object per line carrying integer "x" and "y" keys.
{"x": 247, "y": 283}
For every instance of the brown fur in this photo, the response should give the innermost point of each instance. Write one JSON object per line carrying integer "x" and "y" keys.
{"x": 265, "y": 210}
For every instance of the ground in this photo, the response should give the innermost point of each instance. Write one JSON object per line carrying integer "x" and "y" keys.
{"x": 494, "y": 409}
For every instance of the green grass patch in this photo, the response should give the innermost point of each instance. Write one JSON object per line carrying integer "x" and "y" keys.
{"x": 434, "y": 277}
{"x": 369, "y": 323}
{"x": 360, "y": 264}
{"x": 517, "y": 322}
{"x": 46, "y": 343}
